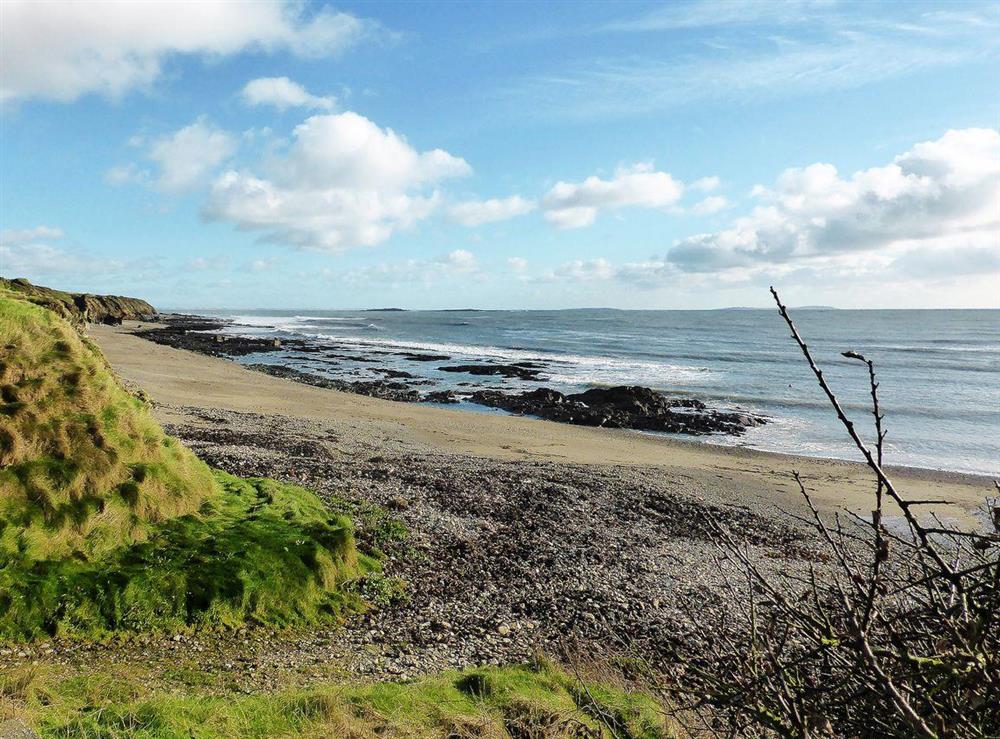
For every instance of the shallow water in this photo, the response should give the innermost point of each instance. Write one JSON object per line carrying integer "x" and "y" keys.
{"x": 939, "y": 369}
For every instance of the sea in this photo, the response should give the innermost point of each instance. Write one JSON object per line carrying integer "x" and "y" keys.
{"x": 938, "y": 370}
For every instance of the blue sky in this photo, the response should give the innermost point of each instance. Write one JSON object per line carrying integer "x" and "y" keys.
{"x": 508, "y": 155}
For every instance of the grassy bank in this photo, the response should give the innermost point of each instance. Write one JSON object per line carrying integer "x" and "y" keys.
{"x": 522, "y": 701}
{"x": 107, "y": 523}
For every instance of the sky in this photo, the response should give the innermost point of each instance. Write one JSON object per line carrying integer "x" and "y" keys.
{"x": 311, "y": 155}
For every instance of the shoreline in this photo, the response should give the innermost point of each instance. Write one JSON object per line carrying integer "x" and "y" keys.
{"x": 509, "y": 534}
{"x": 537, "y": 385}
{"x": 180, "y": 378}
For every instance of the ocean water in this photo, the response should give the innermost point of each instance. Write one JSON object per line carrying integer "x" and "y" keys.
{"x": 939, "y": 369}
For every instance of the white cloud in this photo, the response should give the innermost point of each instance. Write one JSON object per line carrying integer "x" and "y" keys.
{"x": 579, "y": 270}
{"x": 477, "y": 212}
{"x": 263, "y": 265}
{"x": 940, "y": 195}
{"x": 126, "y": 174}
{"x": 283, "y": 93}
{"x": 459, "y": 260}
{"x": 343, "y": 182}
{"x": 186, "y": 158}
{"x": 18, "y": 236}
{"x": 458, "y": 263}
{"x": 931, "y": 263}
{"x": 517, "y": 264}
{"x": 201, "y": 264}
{"x": 574, "y": 205}
{"x": 24, "y": 252}
{"x": 647, "y": 274}
{"x": 706, "y": 184}
{"x": 62, "y": 49}
{"x": 709, "y": 205}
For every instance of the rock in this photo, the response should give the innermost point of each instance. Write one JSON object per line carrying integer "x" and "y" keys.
{"x": 631, "y": 407}
{"x": 633, "y": 399}
{"x": 398, "y": 503}
{"x": 517, "y": 371}
{"x": 441, "y": 396}
{"x": 14, "y": 729}
{"x": 424, "y": 357}
{"x": 394, "y": 374}
{"x": 374, "y": 388}
{"x": 195, "y": 333}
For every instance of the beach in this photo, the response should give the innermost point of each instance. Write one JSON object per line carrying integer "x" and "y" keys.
{"x": 179, "y": 381}
{"x": 522, "y": 536}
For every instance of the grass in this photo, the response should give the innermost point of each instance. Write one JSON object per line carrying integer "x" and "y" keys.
{"x": 107, "y": 523}
{"x": 523, "y": 702}
{"x": 84, "y": 467}
{"x": 257, "y": 552}
{"x": 76, "y": 307}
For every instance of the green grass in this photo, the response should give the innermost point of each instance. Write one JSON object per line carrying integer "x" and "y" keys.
{"x": 84, "y": 467}
{"x": 521, "y": 702}
{"x": 76, "y": 307}
{"x": 257, "y": 552}
{"x": 108, "y": 524}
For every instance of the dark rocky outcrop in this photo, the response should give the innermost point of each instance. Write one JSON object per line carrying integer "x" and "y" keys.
{"x": 630, "y": 407}
{"x": 424, "y": 357}
{"x": 195, "y": 333}
{"x": 375, "y": 388}
{"x": 441, "y": 396}
{"x": 78, "y": 308}
{"x": 520, "y": 371}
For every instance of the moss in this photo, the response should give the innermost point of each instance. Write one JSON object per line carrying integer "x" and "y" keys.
{"x": 261, "y": 552}
{"x": 108, "y": 524}
{"x": 522, "y": 701}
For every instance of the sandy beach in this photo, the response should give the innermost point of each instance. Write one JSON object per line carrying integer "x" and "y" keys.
{"x": 177, "y": 379}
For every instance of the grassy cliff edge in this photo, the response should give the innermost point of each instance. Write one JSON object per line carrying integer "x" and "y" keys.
{"x": 107, "y": 523}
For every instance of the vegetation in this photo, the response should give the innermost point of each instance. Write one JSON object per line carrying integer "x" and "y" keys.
{"x": 521, "y": 702}
{"x": 79, "y": 307}
{"x": 897, "y": 634}
{"x": 107, "y": 523}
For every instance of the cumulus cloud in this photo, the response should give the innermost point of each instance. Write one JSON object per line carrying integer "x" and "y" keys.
{"x": 186, "y": 158}
{"x": 940, "y": 195}
{"x": 343, "y": 182}
{"x": 575, "y": 205}
{"x": 283, "y": 93}
{"x": 477, "y": 212}
{"x": 63, "y": 49}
